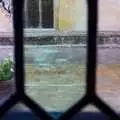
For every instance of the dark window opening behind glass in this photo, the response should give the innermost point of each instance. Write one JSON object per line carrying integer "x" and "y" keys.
{"x": 39, "y": 14}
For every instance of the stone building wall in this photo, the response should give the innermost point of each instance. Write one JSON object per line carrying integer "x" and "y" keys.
{"x": 71, "y": 15}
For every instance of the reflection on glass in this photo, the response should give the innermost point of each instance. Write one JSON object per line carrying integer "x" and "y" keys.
{"x": 55, "y": 60}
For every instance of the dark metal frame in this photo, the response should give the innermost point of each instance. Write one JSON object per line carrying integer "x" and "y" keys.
{"x": 90, "y": 96}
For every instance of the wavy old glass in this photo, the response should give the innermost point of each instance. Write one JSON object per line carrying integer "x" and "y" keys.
{"x": 55, "y": 52}
{"x": 90, "y": 112}
{"x": 6, "y": 51}
{"x": 108, "y": 72}
{"x": 20, "y": 111}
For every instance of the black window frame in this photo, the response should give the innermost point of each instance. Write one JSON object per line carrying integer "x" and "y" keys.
{"x": 90, "y": 96}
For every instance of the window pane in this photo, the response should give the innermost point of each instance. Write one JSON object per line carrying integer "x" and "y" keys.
{"x": 90, "y": 112}
{"x": 38, "y": 13}
{"x": 32, "y": 14}
{"x": 20, "y": 111}
{"x": 47, "y": 13}
{"x": 55, "y": 61}
{"x": 6, "y": 52}
{"x": 108, "y": 72}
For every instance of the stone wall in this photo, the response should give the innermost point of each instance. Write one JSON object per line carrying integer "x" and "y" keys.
{"x": 61, "y": 39}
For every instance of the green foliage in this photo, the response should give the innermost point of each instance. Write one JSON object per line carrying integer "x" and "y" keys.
{"x": 5, "y": 69}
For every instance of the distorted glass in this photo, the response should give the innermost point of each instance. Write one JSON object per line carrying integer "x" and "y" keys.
{"x": 6, "y": 51}
{"x": 38, "y": 13}
{"x": 55, "y": 59}
{"x": 108, "y": 72}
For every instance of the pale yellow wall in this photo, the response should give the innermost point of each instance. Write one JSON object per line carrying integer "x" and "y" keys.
{"x": 71, "y": 15}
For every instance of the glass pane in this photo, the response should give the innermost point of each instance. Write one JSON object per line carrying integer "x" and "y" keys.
{"x": 38, "y": 13}
{"x": 32, "y": 13}
{"x": 6, "y": 51}
{"x": 55, "y": 60}
{"x": 90, "y": 112}
{"x": 108, "y": 72}
{"x": 19, "y": 112}
{"x": 47, "y": 13}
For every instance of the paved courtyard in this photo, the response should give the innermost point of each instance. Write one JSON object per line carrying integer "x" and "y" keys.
{"x": 58, "y": 87}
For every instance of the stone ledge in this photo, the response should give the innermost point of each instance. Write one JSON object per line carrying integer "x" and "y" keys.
{"x": 59, "y": 40}
{"x": 64, "y": 45}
